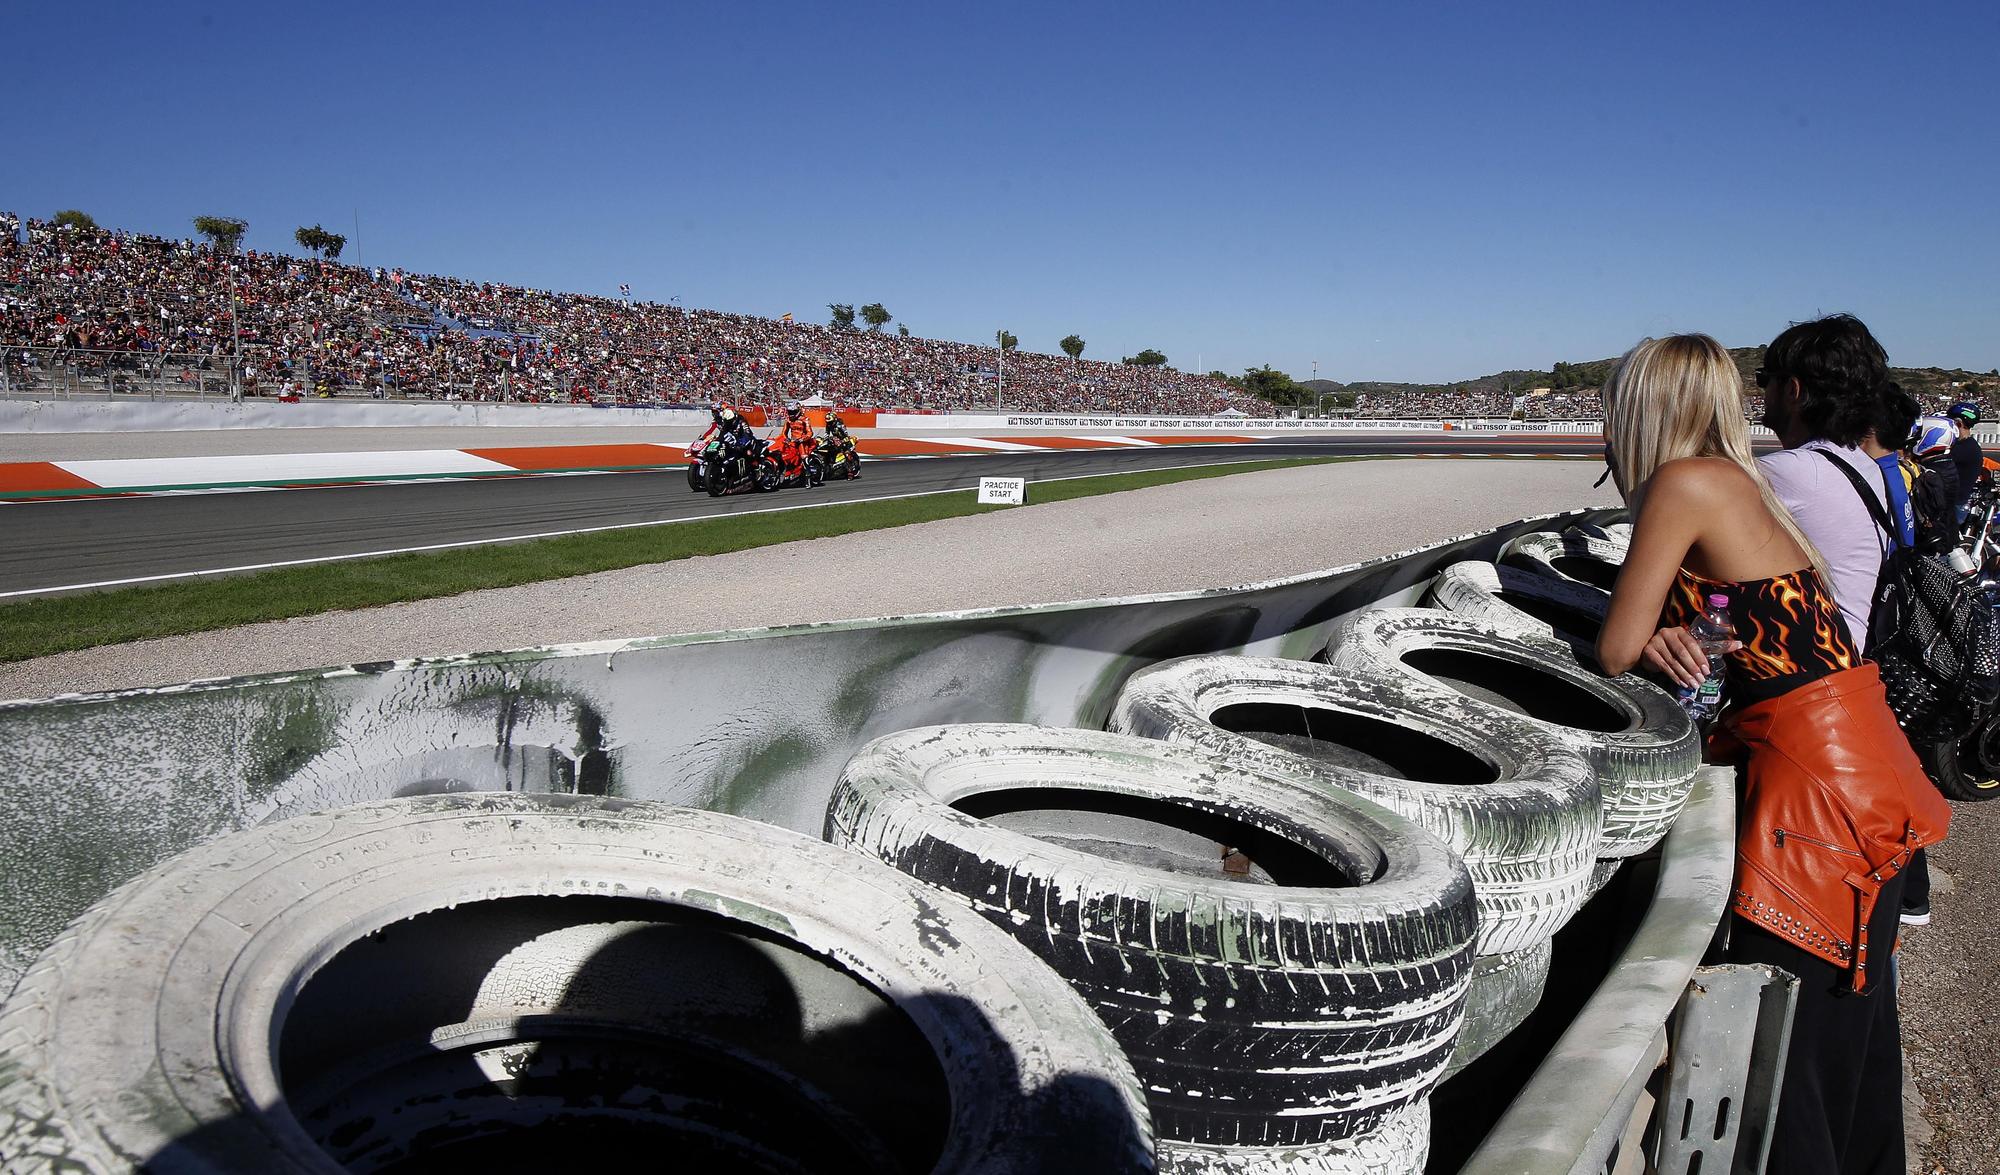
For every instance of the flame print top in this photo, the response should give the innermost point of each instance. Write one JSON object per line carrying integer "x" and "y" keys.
{"x": 1792, "y": 631}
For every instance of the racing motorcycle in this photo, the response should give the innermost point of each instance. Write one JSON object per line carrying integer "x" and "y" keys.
{"x": 726, "y": 473}
{"x": 839, "y": 462}
{"x": 809, "y": 473}
{"x": 698, "y": 465}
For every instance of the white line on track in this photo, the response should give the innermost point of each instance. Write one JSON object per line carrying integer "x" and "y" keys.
{"x": 555, "y": 534}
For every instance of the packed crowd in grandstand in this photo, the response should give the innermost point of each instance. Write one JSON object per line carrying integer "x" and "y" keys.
{"x": 111, "y": 301}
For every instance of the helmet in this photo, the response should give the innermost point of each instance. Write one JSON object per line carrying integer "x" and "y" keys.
{"x": 1963, "y": 410}
{"x": 726, "y": 415}
{"x": 1934, "y": 435}
{"x": 792, "y": 407}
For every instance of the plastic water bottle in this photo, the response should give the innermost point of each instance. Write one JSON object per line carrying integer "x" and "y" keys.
{"x": 1714, "y": 631}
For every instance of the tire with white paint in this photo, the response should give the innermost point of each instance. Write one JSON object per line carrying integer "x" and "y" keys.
{"x": 1641, "y": 744}
{"x": 1399, "y": 1145}
{"x": 1517, "y": 804}
{"x": 1573, "y": 556}
{"x": 507, "y": 981}
{"x": 1615, "y": 533}
{"x": 1511, "y": 600}
{"x": 1505, "y": 991}
{"x": 1295, "y": 1002}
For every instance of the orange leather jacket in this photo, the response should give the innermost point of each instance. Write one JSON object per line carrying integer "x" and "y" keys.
{"x": 1834, "y": 802}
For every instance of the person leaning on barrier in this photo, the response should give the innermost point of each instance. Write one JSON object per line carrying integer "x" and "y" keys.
{"x": 1833, "y": 801}
{"x": 1823, "y": 382}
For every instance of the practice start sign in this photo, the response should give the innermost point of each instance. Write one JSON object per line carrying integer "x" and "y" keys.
{"x": 1003, "y": 491}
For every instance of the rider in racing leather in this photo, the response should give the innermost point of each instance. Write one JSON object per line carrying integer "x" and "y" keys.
{"x": 713, "y": 430}
{"x": 795, "y": 439}
{"x": 735, "y": 434}
{"x": 837, "y": 436}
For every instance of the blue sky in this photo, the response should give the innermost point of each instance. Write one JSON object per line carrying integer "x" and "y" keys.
{"x": 1396, "y": 191}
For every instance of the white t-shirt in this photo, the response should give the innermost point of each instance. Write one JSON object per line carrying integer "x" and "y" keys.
{"x": 1833, "y": 516}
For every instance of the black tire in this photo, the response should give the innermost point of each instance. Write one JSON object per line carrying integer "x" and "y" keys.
{"x": 1641, "y": 744}
{"x": 1517, "y": 803}
{"x": 767, "y": 476}
{"x": 1512, "y": 600}
{"x": 1399, "y": 1145}
{"x": 1505, "y": 990}
{"x": 448, "y": 981}
{"x": 815, "y": 472}
{"x": 1967, "y": 769}
{"x": 853, "y": 465}
{"x": 717, "y": 481}
{"x": 1573, "y": 556}
{"x": 1292, "y": 1012}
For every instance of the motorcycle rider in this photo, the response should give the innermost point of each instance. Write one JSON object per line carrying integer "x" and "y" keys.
{"x": 837, "y": 438}
{"x": 713, "y": 430}
{"x": 738, "y": 441}
{"x": 795, "y": 438}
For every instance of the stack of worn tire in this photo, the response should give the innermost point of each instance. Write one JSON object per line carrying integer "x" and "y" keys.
{"x": 1285, "y": 966}
{"x": 1248, "y": 928}
{"x": 1253, "y": 892}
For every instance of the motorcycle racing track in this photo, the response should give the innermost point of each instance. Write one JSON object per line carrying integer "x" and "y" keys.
{"x": 59, "y": 545}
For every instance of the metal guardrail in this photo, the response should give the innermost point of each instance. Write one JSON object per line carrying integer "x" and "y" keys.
{"x": 1574, "y": 1111}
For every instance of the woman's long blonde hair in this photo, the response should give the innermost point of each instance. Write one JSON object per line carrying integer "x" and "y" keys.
{"x": 1681, "y": 396}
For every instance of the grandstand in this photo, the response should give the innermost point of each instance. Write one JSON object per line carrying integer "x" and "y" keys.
{"x": 101, "y": 311}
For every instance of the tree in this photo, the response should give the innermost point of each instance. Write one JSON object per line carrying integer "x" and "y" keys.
{"x": 1006, "y": 340}
{"x": 1072, "y": 346}
{"x": 73, "y": 218}
{"x": 1145, "y": 358}
{"x": 875, "y": 316}
{"x": 224, "y": 232}
{"x": 902, "y": 330}
{"x": 318, "y": 240}
{"x": 843, "y": 315}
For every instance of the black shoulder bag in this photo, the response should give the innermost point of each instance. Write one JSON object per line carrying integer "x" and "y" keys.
{"x": 1936, "y": 640}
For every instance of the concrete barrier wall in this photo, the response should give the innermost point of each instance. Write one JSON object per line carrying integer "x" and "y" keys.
{"x": 179, "y": 415}
{"x": 96, "y": 788}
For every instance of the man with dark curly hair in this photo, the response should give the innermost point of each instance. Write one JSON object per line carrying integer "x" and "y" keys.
{"x": 1823, "y": 383}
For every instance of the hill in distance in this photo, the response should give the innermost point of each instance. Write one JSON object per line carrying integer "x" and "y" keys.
{"x": 1926, "y": 383}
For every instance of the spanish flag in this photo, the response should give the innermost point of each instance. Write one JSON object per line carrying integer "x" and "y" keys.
{"x": 785, "y": 317}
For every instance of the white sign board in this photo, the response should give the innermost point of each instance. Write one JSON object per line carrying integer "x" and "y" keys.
{"x": 1003, "y": 491}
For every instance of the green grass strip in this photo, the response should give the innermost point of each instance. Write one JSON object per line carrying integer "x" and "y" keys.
{"x": 58, "y": 624}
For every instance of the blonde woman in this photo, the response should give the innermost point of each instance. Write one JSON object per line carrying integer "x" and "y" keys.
{"x": 1833, "y": 802}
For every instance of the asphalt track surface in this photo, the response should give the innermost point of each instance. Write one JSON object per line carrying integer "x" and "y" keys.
{"x": 51, "y": 546}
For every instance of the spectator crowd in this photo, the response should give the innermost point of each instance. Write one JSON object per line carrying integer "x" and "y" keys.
{"x": 124, "y": 300}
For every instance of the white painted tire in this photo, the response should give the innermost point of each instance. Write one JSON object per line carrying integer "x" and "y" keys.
{"x": 1514, "y": 601}
{"x": 1601, "y": 875}
{"x": 451, "y": 981}
{"x": 1294, "y": 1011}
{"x": 1505, "y": 991}
{"x": 1641, "y": 744}
{"x": 1399, "y": 1145}
{"x": 1518, "y": 804}
{"x": 1571, "y": 555}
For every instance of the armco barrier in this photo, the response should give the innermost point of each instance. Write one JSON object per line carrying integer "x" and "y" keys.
{"x": 59, "y": 416}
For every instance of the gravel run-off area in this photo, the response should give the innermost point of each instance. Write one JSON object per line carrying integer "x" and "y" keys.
{"x": 1187, "y": 536}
